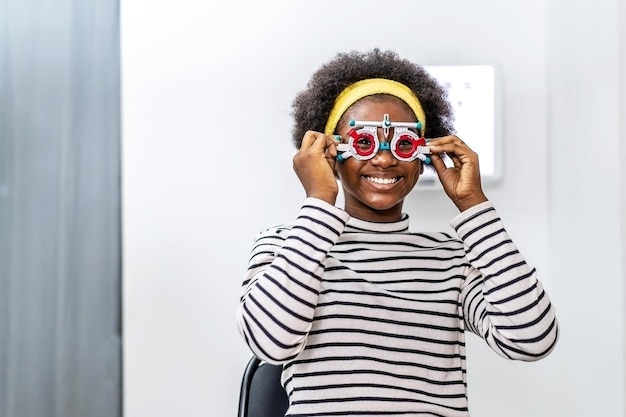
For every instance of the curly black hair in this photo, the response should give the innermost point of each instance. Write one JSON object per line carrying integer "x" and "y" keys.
{"x": 311, "y": 107}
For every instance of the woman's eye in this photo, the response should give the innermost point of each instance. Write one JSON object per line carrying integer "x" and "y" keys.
{"x": 365, "y": 143}
{"x": 405, "y": 145}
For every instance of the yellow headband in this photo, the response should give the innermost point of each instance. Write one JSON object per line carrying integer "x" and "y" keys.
{"x": 370, "y": 87}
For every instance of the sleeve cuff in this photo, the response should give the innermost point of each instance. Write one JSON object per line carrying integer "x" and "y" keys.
{"x": 466, "y": 215}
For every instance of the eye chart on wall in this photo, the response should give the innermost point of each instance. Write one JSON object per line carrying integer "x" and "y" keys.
{"x": 472, "y": 93}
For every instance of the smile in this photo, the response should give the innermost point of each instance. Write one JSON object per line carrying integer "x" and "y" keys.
{"x": 382, "y": 180}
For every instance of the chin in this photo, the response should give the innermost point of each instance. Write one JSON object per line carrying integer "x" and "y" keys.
{"x": 385, "y": 206}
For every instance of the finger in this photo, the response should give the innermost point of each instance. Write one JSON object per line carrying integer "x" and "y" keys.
{"x": 318, "y": 142}
{"x": 451, "y": 148}
{"x": 458, "y": 154}
{"x": 441, "y": 140}
{"x": 456, "y": 160}
{"x": 436, "y": 160}
{"x": 331, "y": 151}
{"x": 309, "y": 137}
{"x": 449, "y": 144}
{"x": 327, "y": 142}
{"x": 438, "y": 163}
{"x": 312, "y": 138}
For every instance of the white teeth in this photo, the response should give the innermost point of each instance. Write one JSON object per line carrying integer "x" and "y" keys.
{"x": 382, "y": 180}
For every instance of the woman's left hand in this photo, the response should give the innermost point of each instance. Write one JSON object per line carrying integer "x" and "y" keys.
{"x": 461, "y": 181}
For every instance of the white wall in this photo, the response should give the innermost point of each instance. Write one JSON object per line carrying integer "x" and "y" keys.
{"x": 202, "y": 78}
{"x": 586, "y": 217}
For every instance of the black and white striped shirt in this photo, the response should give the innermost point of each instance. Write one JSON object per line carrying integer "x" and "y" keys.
{"x": 369, "y": 318}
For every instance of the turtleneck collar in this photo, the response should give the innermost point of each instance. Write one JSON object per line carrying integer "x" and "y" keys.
{"x": 358, "y": 225}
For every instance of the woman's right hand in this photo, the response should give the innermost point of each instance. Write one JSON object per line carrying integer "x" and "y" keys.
{"x": 315, "y": 163}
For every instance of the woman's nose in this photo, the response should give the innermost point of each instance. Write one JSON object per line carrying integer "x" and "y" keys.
{"x": 384, "y": 158}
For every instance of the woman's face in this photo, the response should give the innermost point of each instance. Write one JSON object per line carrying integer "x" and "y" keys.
{"x": 375, "y": 189}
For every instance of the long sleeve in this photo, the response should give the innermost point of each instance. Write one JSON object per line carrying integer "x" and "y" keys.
{"x": 503, "y": 301}
{"x": 281, "y": 287}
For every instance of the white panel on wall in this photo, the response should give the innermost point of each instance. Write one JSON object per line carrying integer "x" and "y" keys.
{"x": 472, "y": 93}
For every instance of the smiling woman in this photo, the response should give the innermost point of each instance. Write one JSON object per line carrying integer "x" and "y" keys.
{"x": 374, "y": 189}
{"x": 365, "y": 316}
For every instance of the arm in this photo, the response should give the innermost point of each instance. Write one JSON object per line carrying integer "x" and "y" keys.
{"x": 503, "y": 301}
{"x": 281, "y": 288}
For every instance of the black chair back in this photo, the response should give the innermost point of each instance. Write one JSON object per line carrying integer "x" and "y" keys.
{"x": 261, "y": 394}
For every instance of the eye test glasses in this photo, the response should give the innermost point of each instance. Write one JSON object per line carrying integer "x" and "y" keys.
{"x": 364, "y": 144}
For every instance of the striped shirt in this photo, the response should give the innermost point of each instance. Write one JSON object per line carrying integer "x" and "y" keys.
{"x": 369, "y": 318}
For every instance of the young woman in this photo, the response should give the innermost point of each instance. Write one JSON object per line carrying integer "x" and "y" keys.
{"x": 368, "y": 318}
